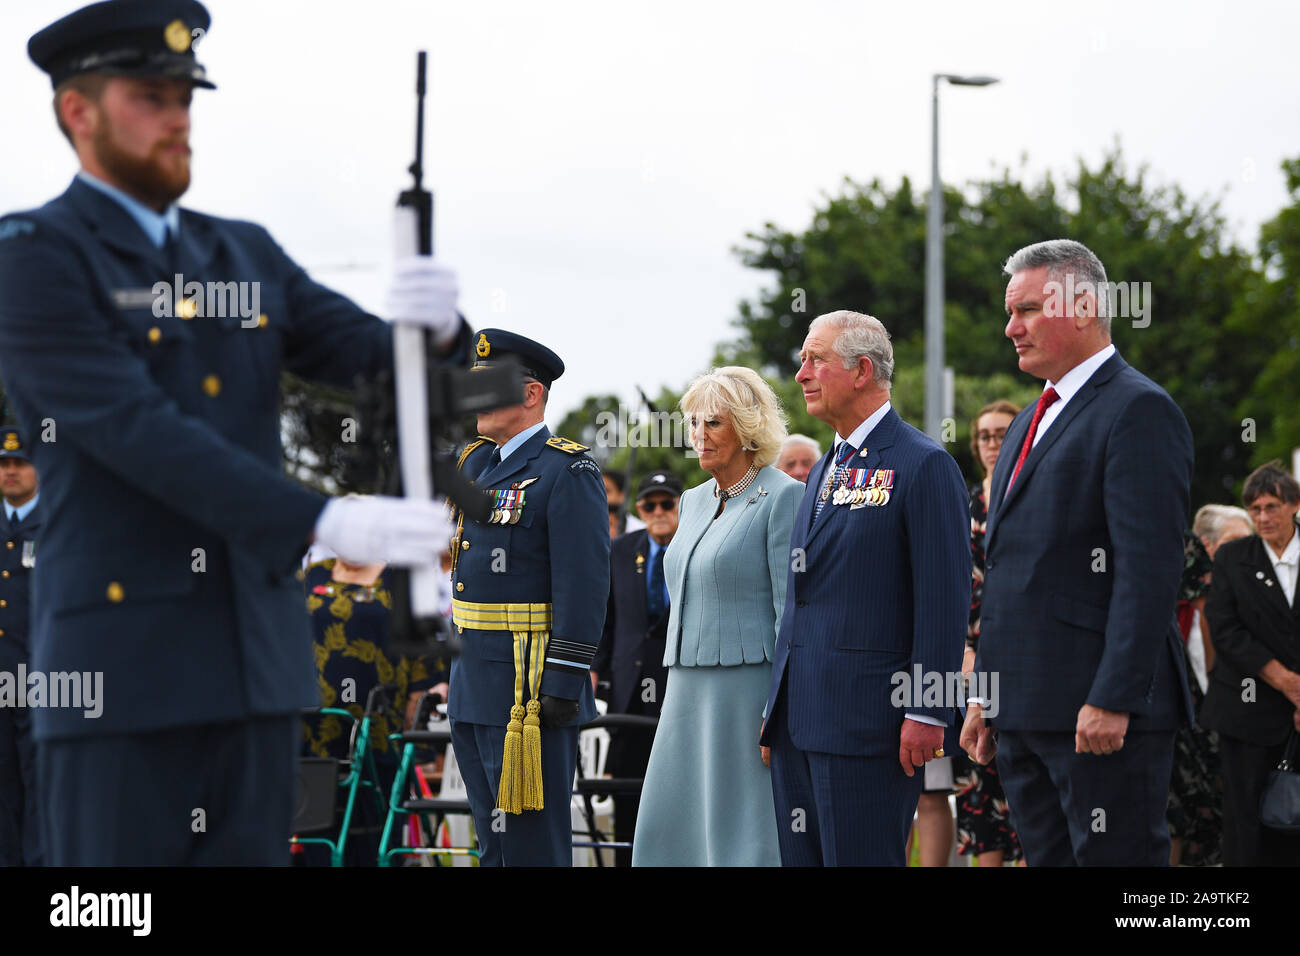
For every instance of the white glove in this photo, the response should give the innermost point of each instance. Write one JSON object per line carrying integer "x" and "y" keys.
{"x": 424, "y": 292}
{"x": 404, "y": 532}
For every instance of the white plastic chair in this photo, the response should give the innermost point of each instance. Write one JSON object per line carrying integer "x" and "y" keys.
{"x": 593, "y": 749}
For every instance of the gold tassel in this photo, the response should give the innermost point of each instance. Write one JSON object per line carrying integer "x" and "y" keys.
{"x": 510, "y": 791}
{"x": 532, "y": 758}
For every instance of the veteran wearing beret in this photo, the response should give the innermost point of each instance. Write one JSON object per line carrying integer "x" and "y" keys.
{"x": 20, "y": 840}
{"x": 528, "y": 602}
{"x": 171, "y": 536}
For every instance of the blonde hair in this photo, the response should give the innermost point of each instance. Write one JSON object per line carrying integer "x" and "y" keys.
{"x": 743, "y": 397}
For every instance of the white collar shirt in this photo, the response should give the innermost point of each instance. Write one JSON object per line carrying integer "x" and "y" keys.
{"x": 1069, "y": 386}
{"x": 859, "y": 435}
{"x": 1284, "y": 567}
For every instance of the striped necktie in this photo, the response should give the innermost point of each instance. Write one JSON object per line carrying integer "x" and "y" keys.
{"x": 492, "y": 462}
{"x": 842, "y": 454}
{"x": 1044, "y": 402}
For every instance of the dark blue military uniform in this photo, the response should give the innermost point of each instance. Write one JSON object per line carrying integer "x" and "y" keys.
{"x": 171, "y": 536}
{"x": 538, "y": 571}
{"x": 20, "y": 843}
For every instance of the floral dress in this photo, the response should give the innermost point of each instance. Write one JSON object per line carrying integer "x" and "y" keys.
{"x": 983, "y": 819}
{"x": 350, "y": 631}
{"x": 1195, "y": 809}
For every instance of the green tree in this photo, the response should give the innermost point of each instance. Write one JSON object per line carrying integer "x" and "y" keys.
{"x": 865, "y": 249}
{"x": 1265, "y": 325}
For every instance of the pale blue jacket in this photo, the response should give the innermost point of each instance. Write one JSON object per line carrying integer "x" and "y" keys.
{"x": 727, "y": 578}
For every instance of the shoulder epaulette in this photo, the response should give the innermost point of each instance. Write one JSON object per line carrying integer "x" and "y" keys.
{"x": 16, "y": 226}
{"x": 476, "y": 443}
{"x": 567, "y": 445}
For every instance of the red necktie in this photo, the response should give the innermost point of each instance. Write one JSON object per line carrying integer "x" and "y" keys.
{"x": 1049, "y": 395}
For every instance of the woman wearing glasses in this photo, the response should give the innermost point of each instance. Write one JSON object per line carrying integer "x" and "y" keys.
{"x": 983, "y": 821}
{"x": 707, "y": 799}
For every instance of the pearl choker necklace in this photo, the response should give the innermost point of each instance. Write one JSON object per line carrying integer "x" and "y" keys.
{"x": 738, "y": 489}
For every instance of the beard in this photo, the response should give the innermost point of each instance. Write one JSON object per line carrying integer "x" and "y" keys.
{"x": 153, "y": 179}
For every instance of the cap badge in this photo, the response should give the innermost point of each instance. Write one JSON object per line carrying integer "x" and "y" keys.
{"x": 177, "y": 35}
{"x": 11, "y": 442}
{"x": 482, "y": 348}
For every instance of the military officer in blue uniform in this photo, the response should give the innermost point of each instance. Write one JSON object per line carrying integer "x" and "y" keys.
{"x": 529, "y": 592}
{"x": 20, "y": 843}
{"x": 171, "y": 537}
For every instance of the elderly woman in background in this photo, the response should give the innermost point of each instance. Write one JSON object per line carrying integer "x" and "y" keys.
{"x": 1255, "y": 625}
{"x": 1213, "y": 526}
{"x": 1195, "y": 808}
{"x": 798, "y": 455}
{"x": 707, "y": 799}
{"x": 983, "y": 819}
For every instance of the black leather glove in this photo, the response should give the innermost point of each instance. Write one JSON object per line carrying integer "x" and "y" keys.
{"x": 557, "y": 711}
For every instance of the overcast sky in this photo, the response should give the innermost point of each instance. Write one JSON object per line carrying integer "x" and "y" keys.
{"x": 594, "y": 163}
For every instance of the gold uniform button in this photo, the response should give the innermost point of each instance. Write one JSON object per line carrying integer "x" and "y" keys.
{"x": 4, "y": 574}
{"x": 212, "y": 385}
{"x": 155, "y": 335}
{"x": 262, "y": 320}
{"x": 460, "y": 585}
{"x": 3, "y": 603}
{"x": 187, "y": 309}
{"x": 464, "y": 545}
{"x": 9, "y": 545}
{"x": 2, "y": 632}
{"x": 115, "y": 592}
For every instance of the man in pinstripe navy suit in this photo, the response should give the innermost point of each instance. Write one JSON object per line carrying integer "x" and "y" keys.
{"x": 879, "y": 587}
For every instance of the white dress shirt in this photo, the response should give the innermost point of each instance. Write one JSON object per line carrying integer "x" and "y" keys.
{"x": 1284, "y": 567}
{"x": 859, "y": 434}
{"x": 1068, "y": 387}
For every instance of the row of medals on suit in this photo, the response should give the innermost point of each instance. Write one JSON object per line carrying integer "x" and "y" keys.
{"x": 507, "y": 506}
{"x": 863, "y": 486}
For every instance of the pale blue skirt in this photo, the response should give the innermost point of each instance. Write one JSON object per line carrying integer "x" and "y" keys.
{"x": 707, "y": 799}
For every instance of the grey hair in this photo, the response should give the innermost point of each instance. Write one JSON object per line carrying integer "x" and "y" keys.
{"x": 1212, "y": 521}
{"x": 1062, "y": 257}
{"x": 794, "y": 441}
{"x": 858, "y": 334}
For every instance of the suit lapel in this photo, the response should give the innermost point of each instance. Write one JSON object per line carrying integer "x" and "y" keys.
{"x": 113, "y": 225}
{"x": 198, "y": 243}
{"x": 803, "y": 517}
{"x": 642, "y": 578}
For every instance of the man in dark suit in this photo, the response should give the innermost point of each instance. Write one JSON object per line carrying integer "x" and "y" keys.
{"x": 1253, "y": 698}
{"x": 876, "y": 606}
{"x": 1083, "y": 555}
{"x": 171, "y": 536}
{"x": 20, "y": 837}
{"x": 631, "y": 655}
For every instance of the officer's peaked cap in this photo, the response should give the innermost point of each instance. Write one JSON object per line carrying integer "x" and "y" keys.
{"x": 125, "y": 38}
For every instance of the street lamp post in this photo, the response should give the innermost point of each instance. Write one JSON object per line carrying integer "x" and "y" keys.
{"x": 934, "y": 264}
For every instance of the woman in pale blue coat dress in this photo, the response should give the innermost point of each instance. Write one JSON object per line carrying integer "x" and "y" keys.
{"x": 707, "y": 799}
